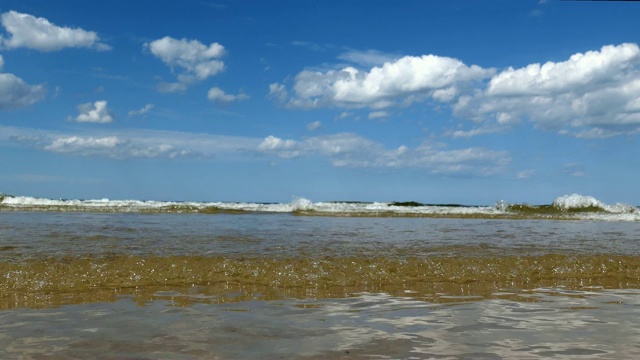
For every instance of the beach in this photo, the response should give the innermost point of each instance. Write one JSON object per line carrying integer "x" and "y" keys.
{"x": 157, "y": 280}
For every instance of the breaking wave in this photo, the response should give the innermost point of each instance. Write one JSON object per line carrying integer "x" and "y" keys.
{"x": 566, "y": 207}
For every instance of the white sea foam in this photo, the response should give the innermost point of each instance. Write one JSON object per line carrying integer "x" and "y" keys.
{"x": 577, "y": 201}
{"x": 616, "y": 212}
{"x": 300, "y": 203}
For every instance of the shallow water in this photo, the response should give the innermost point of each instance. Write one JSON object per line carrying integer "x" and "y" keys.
{"x": 278, "y": 285}
{"x": 540, "y": 323}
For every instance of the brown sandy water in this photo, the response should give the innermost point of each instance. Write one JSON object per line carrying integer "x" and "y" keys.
{"x": 194, "y": 286}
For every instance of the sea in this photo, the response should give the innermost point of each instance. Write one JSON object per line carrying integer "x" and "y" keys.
{"x": 131, "y": 279}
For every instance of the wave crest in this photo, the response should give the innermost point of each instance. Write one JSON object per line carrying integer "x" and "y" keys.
{"x": 577, "y": 201}
{"x": 301, "y": 204}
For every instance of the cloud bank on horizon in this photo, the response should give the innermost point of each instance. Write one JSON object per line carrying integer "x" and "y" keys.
{"x": 589, "y": 94}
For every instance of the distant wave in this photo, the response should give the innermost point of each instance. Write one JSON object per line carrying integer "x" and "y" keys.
{"x": 566, "y": 207}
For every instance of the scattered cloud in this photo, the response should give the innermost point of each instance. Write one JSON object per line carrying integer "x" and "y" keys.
{"x": 309, "y": 45}
{"x": 342, "y": 150}
{"x": 73, "y": 143}
{"x": 218, "y": 95}
{"x": 378, "y": 115}
{"x": 473, "y": 132}
{"x": 282, "y": 148}
{"x": 405, "y": 80}
{"x": 313, "y": 126}
{"x": 592, "y": 94}
{"x": 192, "y": 60}
{"x": 351, "y": 150}
{"x": 142, "y": 111}
{"x": 15, "y": 92}
{"x": 367, "y": 57}
{"x": 525, "y": 174}
{"x": 113, "y": 147}
{"x": 124, "y": 144}
{"x": 98, "y": 112}
{"x": 39, "y": 34}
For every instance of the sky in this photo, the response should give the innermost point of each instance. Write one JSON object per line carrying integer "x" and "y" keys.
{"x": 382, "y": 100}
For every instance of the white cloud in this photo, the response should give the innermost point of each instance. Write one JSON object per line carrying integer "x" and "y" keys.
{"x": 75, "y": 143}
{"x": 283, "y": 148}
{"x": 342, "y": 150}
{"x": 15, "y": 92}
{"x": 278, "y": 92}
{"x": 592, "y": 94}
{"x": 123, "y": 144}
{"x": 218, "y": 95}
{"x": 408, "y": 79}
{"x": 142, "y": 111}
{"x": 377, "y": 115}
{"x": 525, "y": 174}
{"x": 351, "y": 150}
{"x": 591, "y": 70}
{"x": 98, "y": 112}
{"x": 313, "y": 126}
{"x": 39, "y": 34}
{"x": 367, "y": 58}
{"x": 309, "y": 45}
{"x": 196, "y": 60}
{"x": 165, "y": 87}
{"x": 474, "y": 132}
{"x": 113, "y": 147}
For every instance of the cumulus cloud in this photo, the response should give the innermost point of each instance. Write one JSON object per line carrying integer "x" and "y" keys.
{"x": 218, "y": 95}
{"x": 98, "y": 112}
{"x": 142, "y": 111}
{"x": 592, "y": 94}
{"x": 407, "y": 79}
{"x": 15, "y": 92}
{"x": 283, "y": 148}
{"x": 39, "y": 34}
{"x": 192, "y": 60}
{"x": 278, "y": 92}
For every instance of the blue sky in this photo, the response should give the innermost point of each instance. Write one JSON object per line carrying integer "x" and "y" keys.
{"x": 433, "y": 101}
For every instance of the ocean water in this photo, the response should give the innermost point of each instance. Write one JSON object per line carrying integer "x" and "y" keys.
{"x": 133, "y": 279}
